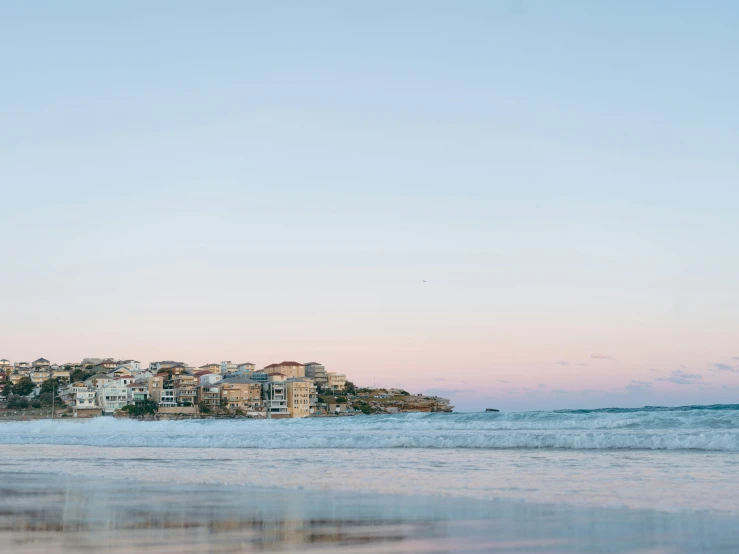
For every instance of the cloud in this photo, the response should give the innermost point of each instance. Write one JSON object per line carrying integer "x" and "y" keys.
{"x": 562, "y": 363}
{"x": 542, "y": 386}
{"x": 735, "y": 358}
{"x": 441, "y": 379}
{"x": 726, "y": 367}
{"x": 600, "y": 357}
{"x": 503, "y": 381}
{"x": 679, "y": 377}
{"x": 560, "y": 391}
{"x": 730, "y": 387}
{"x": 638, "y": 386}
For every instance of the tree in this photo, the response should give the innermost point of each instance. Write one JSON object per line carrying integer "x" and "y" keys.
{"x": 350, "y": 387}
{"x": 50, "y": 385}
{"x": 46, "y": 398}
{"x": 24, "y": 387}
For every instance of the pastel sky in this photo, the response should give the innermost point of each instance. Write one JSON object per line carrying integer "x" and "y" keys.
{"x": 267, "y": 181}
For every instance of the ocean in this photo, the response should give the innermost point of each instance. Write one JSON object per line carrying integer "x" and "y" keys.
{"x": 614, "y": 480}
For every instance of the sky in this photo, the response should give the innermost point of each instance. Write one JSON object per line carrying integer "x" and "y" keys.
{"x": 517, "y": 204}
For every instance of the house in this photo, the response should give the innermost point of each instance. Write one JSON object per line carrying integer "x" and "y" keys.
{"x": 39, "y": 377}
{"x": 81, "y": 398}
{"x": 213, "y": 368}
{"x": 243, "y": 394}
{"x": 246, "y": 366}
{"x": 133, "y": 365}
{"x": 22, "y": 365}
{"x": 122, "y": 371}
{"x": 61, "y": 373}
{"x": 156, "y": 367}
{"x": 137, "y": 392}
{"x": 99, "y": 380}
{"x": 112, "y": 397}
{"x": 41, "y": 363}
{"x": 301, "y": 393}
{"x": 207, "y": 378}
{"x": 6, "y": 364}
{"x": 291, "y": 370}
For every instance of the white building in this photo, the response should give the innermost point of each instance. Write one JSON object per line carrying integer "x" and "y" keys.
{"x": 274, "y": 393}
{"x": 112, "y": 397}
{"x": 167, "y": 398}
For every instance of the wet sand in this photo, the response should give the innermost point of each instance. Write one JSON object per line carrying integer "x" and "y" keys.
{"x": 52, "y": 513}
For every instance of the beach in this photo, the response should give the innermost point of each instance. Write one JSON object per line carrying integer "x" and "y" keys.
{"x": 374, "y": 484}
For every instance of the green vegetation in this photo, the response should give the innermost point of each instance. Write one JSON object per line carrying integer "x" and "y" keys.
{"x": 145, "y": 407}
{"x": 17, "y": 402}
{"x": 204, "y": 409}
{"x": 23, "y": 387}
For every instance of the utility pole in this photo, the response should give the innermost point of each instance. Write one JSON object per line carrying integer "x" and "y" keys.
{"x": 53, "y": 398}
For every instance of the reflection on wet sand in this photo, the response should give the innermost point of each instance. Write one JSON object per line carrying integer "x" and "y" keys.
{"x": 52, "y": 513}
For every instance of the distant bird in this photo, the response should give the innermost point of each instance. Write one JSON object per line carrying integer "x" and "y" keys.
{"x": 424, "y": 281}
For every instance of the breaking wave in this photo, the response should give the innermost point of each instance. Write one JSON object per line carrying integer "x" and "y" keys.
{"x": 653, "y": 428}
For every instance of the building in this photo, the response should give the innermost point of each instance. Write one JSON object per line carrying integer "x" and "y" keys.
{"x": 133, "y": 365}
{"x": 41, "y": 363}
{"x": 22, "y": 365}
{"x": 6, "y": 364}
{"x": 167, "y": 398}
{"x": 98, "y": 381}
{"x": 157, "y": 367}
{"x": 112, "y": 397}
{"x": 244, "y": 394}
{"x": 82, "y": 400}
{"x": 246, "y": 366}
{"x": 207, "y": 378}
{"x": 156, "y": 385}
{"x": 317, "y": 372}
{"x": 336, "y": 381}
{"x": 274, "y": 395}
{"x": 39, "y": 377}
{"x": 185, "y": 389}
{"x": 291, "y": 370}
{"x": 301, "y": 393}
{"x": 260, "y": 377}
{"x": 61, "y": 373}
{"x": 137, "y": 393}
{"x": 209, "y": 395}
{"x": 228, "y": 367}
{"x": 213, "y": 368}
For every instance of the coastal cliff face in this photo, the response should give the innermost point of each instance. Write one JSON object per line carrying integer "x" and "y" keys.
{"x": 394, "y": 402}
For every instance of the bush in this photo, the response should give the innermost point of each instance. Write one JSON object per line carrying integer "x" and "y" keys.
{"x": 142, "y": 408}
{"x": 18, "y": 402}
{"x": 204, "y": 409}
{"x": 35, "y": 403}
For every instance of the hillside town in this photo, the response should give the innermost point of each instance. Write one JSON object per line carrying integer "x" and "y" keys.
{"x": 172, "y": 389}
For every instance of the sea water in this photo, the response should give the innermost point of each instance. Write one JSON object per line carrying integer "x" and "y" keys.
{"x": 679, "y": 461}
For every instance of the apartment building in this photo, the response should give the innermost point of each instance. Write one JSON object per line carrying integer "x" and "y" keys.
{"x": 274, "y": 394}
{"x": 317, "y": 372}
{"x": 209, "y": 395}
{"x": 336, "y": 381}
{"x": 291, "y": 370}
{"x": 300, "y": 393}
{"x": 243, "y": 394}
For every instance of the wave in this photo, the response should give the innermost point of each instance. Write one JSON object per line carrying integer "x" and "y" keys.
{"x": 649, "y": 428}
